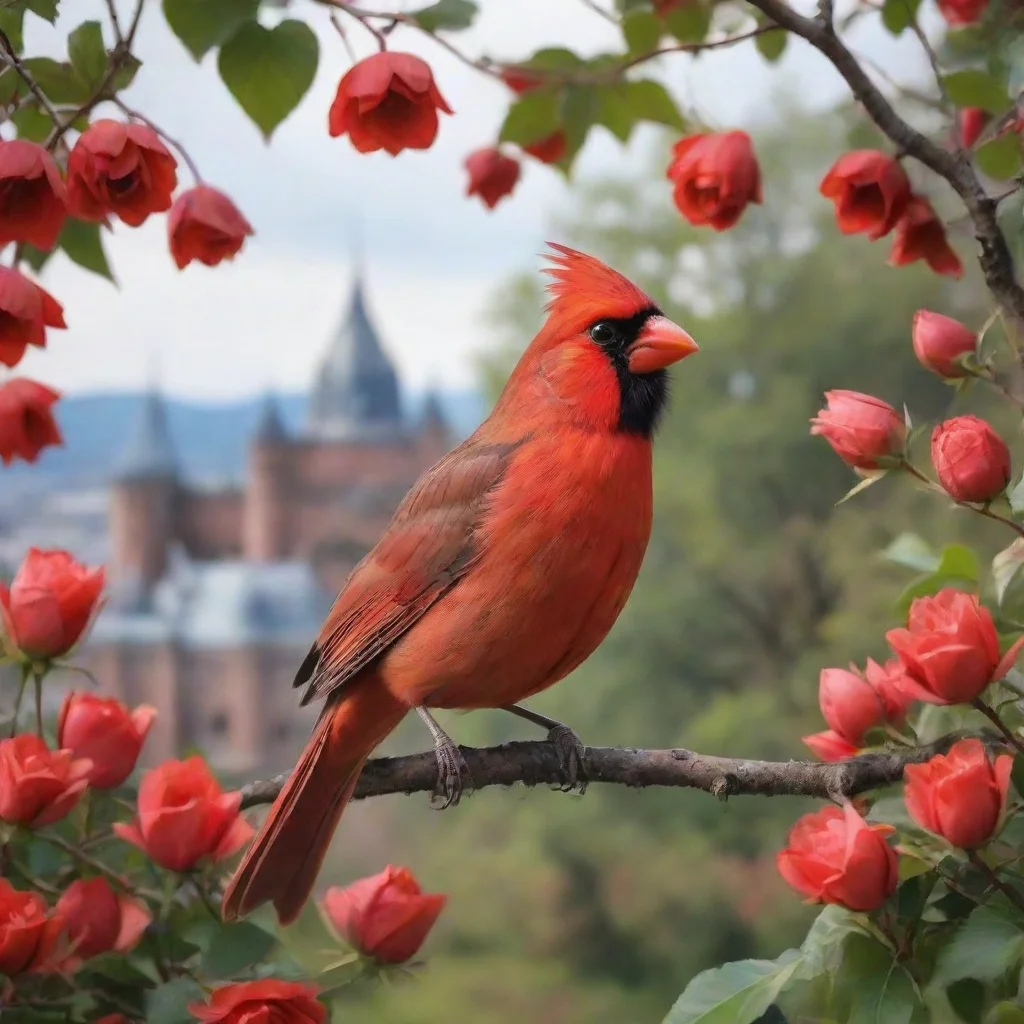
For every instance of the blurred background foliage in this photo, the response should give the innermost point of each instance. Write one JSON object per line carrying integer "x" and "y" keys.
{"x": 598, "y": 910}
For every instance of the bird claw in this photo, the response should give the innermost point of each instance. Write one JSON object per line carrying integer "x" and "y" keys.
{"x": 571, "y": 753}
{"x": 450, "y": 767}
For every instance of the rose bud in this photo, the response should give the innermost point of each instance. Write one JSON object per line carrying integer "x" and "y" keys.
{"x": 870, "y": 191}
{"x": 205, "y": 225}
{"x": 971, "y": 459}
{"x": 261, "y": 1002}
{"x": 32, "y": 198}
{"x": 38, "y": 786}
{"x": 861, "y": 429}
{"x": 29, "y": 932}
{"x": 27, "y": 425}
{"x": 962, "y": 12}
{"x": 51, "y": 601}
{"x": 184, "y": 816}
{"x": 492, "y": 175}
{"x": 852, "y": 703}
{"x": 835, "y": 856}
{"x": 972, "y": 124}
{"x": 386, "y": 916}
{"x": 950, "y": 649}
{"x": 98, "y": 920}
{"x": 548, "y": 150}
{"x": 920, "y": 235}
{"x": 26, "y": 310}
{"x": 940, "y": 341}
{"x": 106, "y": 732}
{"x": 123, "y": 169}
{"x": 959, "y": 795}
{"x": 521, "y": 80}
{"x": 716, "y": 176}
{"x": 830, "y": 746}
{"x": 388, "y": 101}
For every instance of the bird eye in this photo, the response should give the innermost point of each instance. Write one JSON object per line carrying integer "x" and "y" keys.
{"x": 603, "y": 333}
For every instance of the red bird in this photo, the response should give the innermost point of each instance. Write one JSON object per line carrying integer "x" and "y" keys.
{"x": 502, "y": 570}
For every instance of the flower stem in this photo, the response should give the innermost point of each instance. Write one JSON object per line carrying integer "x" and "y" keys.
{"x": 1007, "y": 890}
{"x": 204, "y": 898}
{"x": 72, "y": 851}
{"x": 991, "y": 715}
{"x": 981, "y": 510}
{"x": 37, "y": 682}
{"x": 18, "y": 700}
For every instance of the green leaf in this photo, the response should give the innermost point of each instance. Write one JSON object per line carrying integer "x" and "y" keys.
{"x": 735, "y": 993}
{"x": 967, "y": 997}
{"x": 1014, "y": 58}
{"x": 771, "y": 45}
{"x": 689, "y": 22}
{"x": 45, "y": 9}
{"x": 898, "y": 15}
{"x": 1017, "y": 773}
{"x": 202, "y": 24}
{"x": 533, "y": 116}
{"x": 450, "y": 15}
{"x": 622, "y": 105}
{"x": 1005, "y": 1012}
{"x": 985, "y": 947}
{"x": 58, "y": 80}
{"x": 168, "y": 1004}
{"x": 871, "y": 988}
{"x": 554, "y": 58}
{"x": 960, "y": 560}
{"x": 912, "y": 551}
{"x": 311, "y": 942}
{"x": 269, "y": 70}
{"x": 1000, "y": 158}
{"x": 1008, "y": 580}
{"x": 973, "y": 88}
{"x": 579, "y": 110}
{"x": 82, "y": 242}
{"x": 87, "y": 53}
{"x": 1010, "y": 217}
{"x": 642, "y": 30}
{"x": 32, "y": 123}
{"x": 10, "y": 24}
{"x": 125, "y": 74}
{"x": 823, "y": 946}
{"x": 234, "y": 947}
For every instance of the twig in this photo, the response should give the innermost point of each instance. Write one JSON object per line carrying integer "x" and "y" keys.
{"x": 536, "y": 763}
{"x": 1004, "y": 887}
{"x": 73, "y": 851}
{"x": 115, "y": 21}
{"x": 598, "y": 9}
{"x": 991, "y": 715}
{"x": 10, "y": 57}
{"x": 933, "y": 60}
{"x": 130, "y": 112}
{"x": 346, "y": 42}
{"x": 981, "y": 510}
{"x": 994, "y": 258}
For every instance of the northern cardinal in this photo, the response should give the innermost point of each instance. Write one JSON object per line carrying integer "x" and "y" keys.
{"x": 501, "y": 571}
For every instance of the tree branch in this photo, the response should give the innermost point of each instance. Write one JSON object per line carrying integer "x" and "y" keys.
{"x": 995, "y": 259}
{"x": 536, "y": 763}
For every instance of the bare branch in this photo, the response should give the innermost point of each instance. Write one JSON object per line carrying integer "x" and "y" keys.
{"x": 536, "y": 763}
{"x": 995, "y": 259}
{"x": 9, "y": 56}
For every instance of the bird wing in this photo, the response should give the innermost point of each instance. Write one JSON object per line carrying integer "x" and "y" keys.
{"x": 427, "y": 547}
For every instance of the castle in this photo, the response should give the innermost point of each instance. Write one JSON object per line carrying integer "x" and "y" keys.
{"x": 217, "y": 594}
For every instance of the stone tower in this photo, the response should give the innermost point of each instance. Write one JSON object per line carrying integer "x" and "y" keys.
{"x": 265, "y": 519}
{"x": 143, "y": 499}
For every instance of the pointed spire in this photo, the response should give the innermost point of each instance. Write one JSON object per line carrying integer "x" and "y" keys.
{"x": 433, "y": 419}
{"x": 269, "y": 426}
{"x": 149, "y": 454}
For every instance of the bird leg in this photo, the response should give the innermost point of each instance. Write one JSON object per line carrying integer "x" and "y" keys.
{"x": 450, "y": 762}
{"x": 571, "y": 750}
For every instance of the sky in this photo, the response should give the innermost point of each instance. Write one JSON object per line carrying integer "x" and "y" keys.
{"x": 433, "y": 257}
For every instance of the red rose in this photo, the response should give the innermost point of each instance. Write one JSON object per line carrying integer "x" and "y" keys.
{"x": 861, "y": 429}
{"x": 388, "y": 101}
{"x": 971, "y": 459}
{"x": 972, "y": 124}
{"x": 106, "y": 732}
{"x": 548, "y": 150}
{"x": 261, "y": 1002}
{"x": 122, "y": 169}
{"x": 939, "y": 341}
{"x": 184, "y": 816}
{"x": 828, "y": 745}
{"x": 920, "y": 235}
{"x": 27, "y": 425}
{"x": 520, "y": 80}
{"x": 962, "y": 12}
{"x": 205, "y": 225}
{"x": 385, "y": 916}
{"x": 835, "y": 856}
{"x": 853, "y": 703}
{"x": 29, "y": 932}
{"x": 959, "y": 795}
{"x": 98, "y": 920}
{"x": 26, "y": 310}
{"x": 50, "y": 603}
{"x": 32, "y": 197}
{"x": 492, "y": 175}
{"x": 38, "y": 786}
{"x": 950, "y": 649}
{"x": 716, "y": 177}
{"x": 870, "y": 190}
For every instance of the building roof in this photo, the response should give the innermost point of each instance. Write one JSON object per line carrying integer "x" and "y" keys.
{"x": 269, "y": 425}
{"x": 149, "y": 453}
{"x": 218, "y": 605}
{"x": 355, "y": 395}
{"x": 433, "y": 417}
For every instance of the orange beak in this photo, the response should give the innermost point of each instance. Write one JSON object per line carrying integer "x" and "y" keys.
{"x": 661, "y": 343}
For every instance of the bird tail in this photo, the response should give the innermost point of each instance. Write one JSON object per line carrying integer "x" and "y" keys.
{"x": 283, "y": 861}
